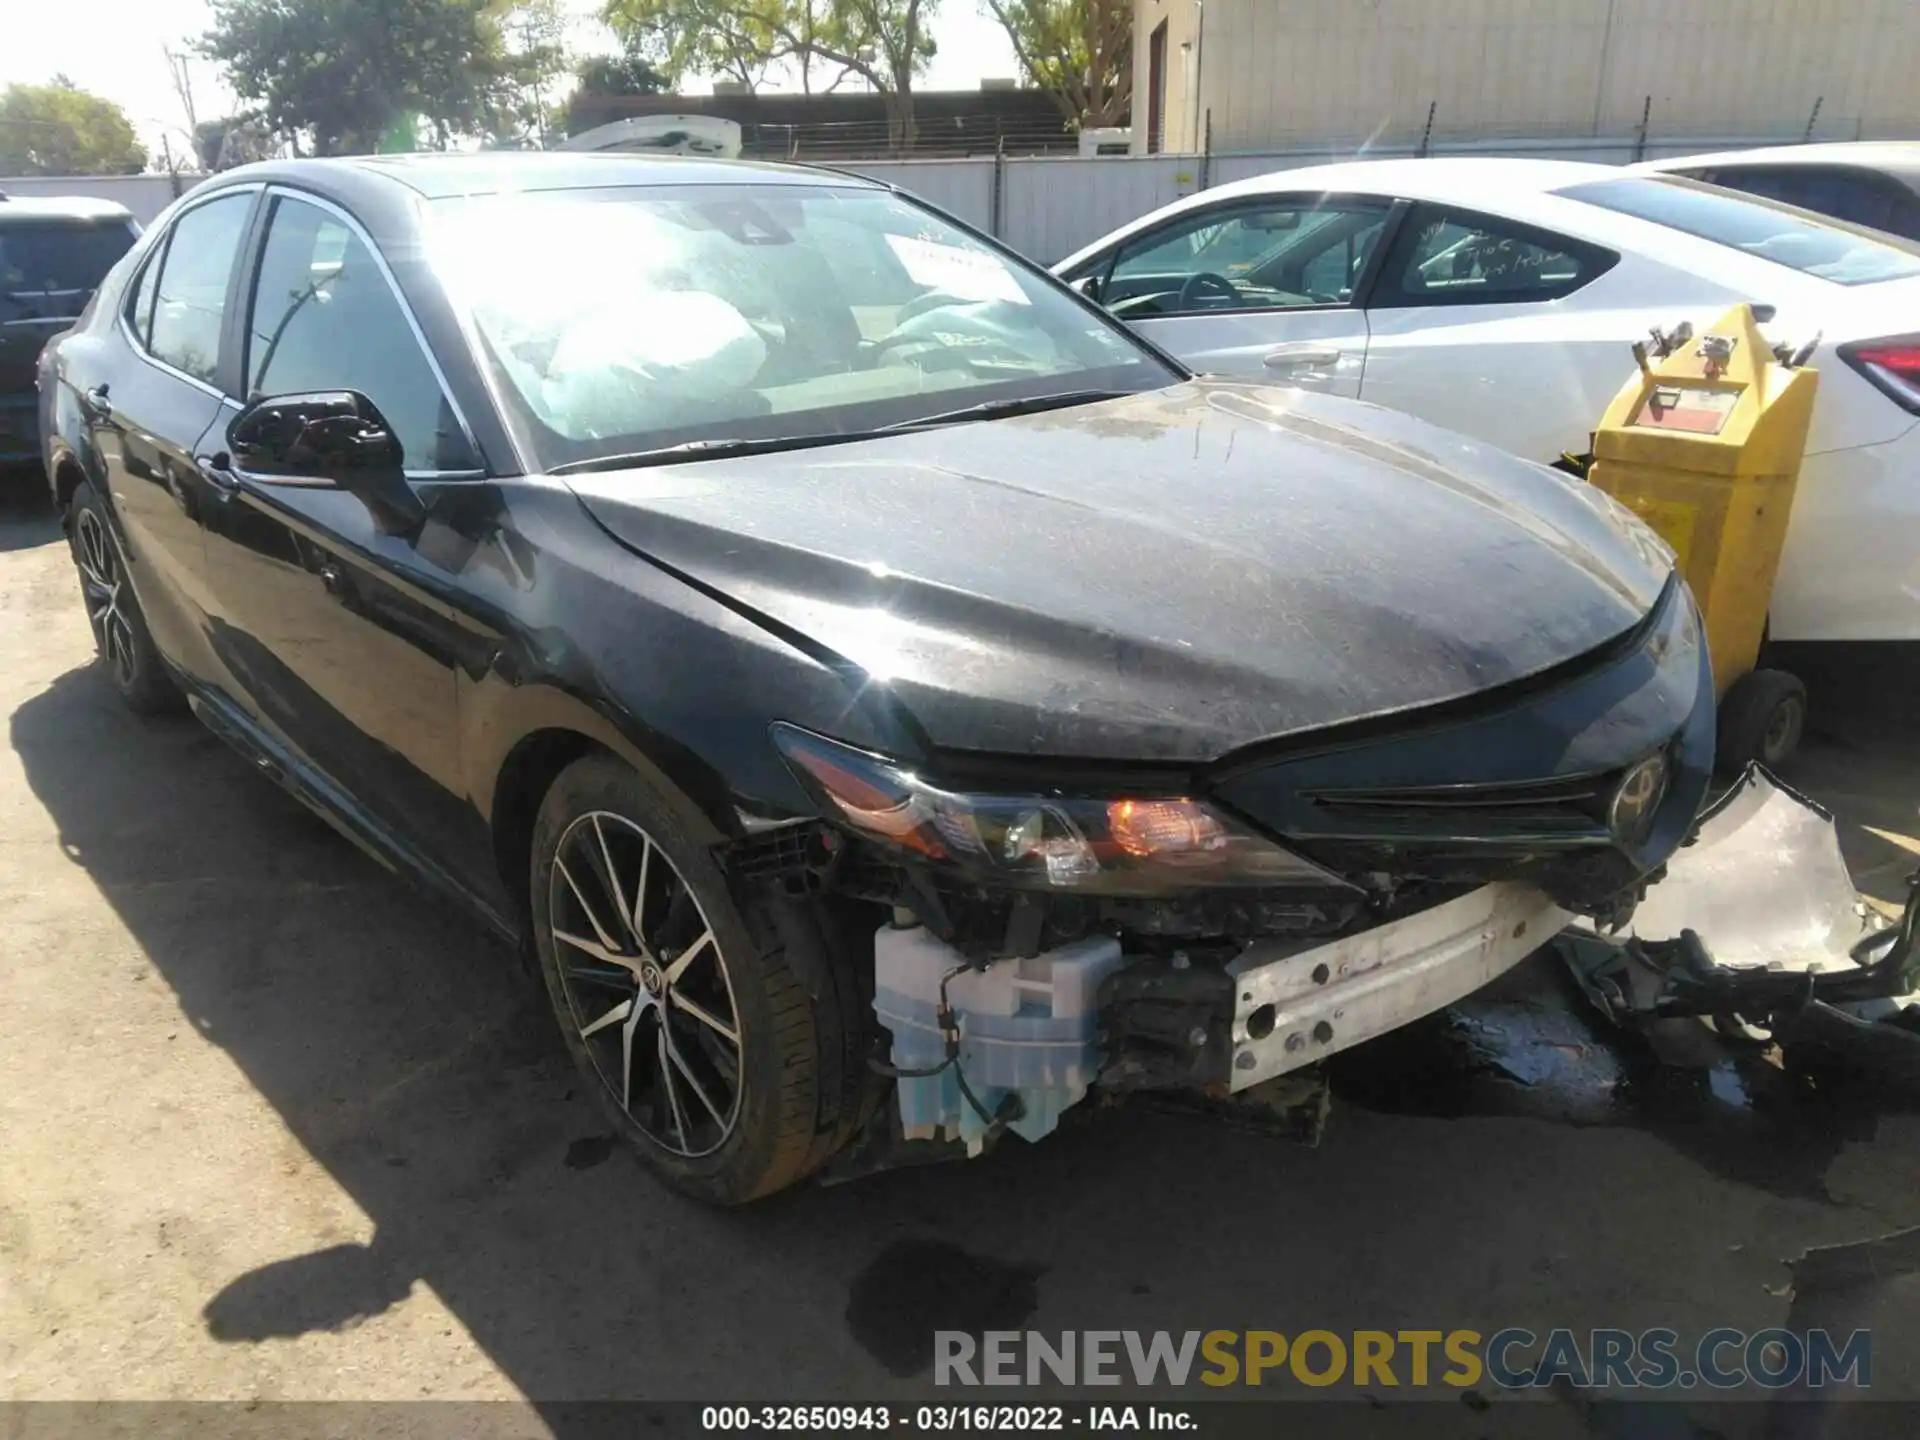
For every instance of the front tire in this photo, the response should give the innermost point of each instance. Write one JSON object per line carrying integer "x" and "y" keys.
{"x": 120, "y": 636}
{"x": 713, "y": 1027}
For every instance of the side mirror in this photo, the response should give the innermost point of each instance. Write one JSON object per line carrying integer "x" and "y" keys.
{"x": 328, "y": 434}
{"x": 1087, "y": 286}
{"x": 337, "y": 435}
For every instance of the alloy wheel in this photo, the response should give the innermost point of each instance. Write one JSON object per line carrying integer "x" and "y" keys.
{"x": 101, "y": 579}
{"x": 645, "y": 982}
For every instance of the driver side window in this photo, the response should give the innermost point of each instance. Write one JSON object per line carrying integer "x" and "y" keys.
{"x": 1279, "y": 254}
{"x": 325, "y": 318}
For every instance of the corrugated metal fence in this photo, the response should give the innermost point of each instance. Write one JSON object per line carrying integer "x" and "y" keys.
{"x": 1046, "y": 207}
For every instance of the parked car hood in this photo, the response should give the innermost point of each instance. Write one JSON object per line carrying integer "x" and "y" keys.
{"x": 1163, "y": 577}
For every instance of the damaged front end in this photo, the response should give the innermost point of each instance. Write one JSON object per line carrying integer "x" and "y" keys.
{"x": 1758, "y": 929}
{"x": 1059, "y": 927}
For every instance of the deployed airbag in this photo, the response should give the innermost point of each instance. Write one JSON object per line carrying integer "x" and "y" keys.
{"x": 649, "y": 361}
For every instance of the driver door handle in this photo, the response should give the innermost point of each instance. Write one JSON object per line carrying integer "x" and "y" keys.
{"x": 217, "y": 471}
{"x": 1301, "y": 357}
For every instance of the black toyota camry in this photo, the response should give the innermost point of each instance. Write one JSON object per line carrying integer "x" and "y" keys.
{"x": 884, "y": 696}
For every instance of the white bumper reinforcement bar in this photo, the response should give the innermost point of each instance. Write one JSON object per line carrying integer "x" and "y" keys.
{"x": 1293, "y": 1006}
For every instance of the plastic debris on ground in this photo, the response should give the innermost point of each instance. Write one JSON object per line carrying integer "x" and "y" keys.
{"x": 1756, "y": 930}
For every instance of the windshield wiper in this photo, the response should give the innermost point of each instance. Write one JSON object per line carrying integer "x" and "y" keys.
{"x": 717, "y": 449}
{"x": 724, "y": 448}
{"x": 1001, "y": 409}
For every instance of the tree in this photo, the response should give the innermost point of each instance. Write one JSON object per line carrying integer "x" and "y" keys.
{"x": 60, "y": 129}
{"x": 885, "y": 42}
{"x": 732, "y": 39}
{"x": 349, "y": 71}
{"x": 601, "y": 76}
{"x": 1078, "y": 51}
{"x": 620, "y": 75}
{"x": 235, "y": 140}
{"x": 808, "y": 20}
{"x": 536, "y": 40}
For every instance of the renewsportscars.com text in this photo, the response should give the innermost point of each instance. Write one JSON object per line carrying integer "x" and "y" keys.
{"x": 1511, "y": 1358}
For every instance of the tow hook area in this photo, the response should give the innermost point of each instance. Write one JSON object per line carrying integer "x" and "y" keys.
{"x": 1757, "y": 929}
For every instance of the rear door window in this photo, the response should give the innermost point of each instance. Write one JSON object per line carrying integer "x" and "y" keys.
{"x": 1446, "y": 256}
{"x": 139, "y": 302}
{"x": 190, "y": 296}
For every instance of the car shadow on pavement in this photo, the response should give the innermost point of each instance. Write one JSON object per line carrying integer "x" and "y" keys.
{"x": 411, "y": 1056}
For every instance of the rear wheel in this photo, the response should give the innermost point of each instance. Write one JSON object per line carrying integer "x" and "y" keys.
{"x": 714, "y": 1028}
{"x": 120, "y": 635}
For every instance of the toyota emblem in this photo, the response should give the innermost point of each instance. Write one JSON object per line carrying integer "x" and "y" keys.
{"x": 1641, "y": 790}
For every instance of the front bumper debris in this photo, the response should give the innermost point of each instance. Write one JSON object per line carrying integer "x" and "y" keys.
{"x": 1296, "y": 1005}
{"x": 1790, "y": 957}
{"x": 1757, "y": 925}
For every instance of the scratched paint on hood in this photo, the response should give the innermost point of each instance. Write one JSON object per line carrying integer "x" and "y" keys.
{"x": 1162, "y": 577}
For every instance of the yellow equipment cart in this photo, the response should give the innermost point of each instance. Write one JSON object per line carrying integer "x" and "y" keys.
{"x": 1704, "y": 443}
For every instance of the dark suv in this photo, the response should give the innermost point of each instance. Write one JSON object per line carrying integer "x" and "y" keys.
{"x": 53, "y": 252}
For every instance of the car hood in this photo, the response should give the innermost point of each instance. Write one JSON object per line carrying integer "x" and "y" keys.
{"x": 1163, "y": 577}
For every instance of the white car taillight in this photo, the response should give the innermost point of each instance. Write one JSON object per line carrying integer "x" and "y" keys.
{"x": 1892, "y": 365}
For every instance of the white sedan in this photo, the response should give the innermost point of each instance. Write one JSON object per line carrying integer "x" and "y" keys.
{"x": 1499, "y": 298}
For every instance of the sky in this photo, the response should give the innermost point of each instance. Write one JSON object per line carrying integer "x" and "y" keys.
{"x": 44, "y": 38}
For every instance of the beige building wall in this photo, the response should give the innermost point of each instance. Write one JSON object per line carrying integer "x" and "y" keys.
{"x": 1182, "y": 63}
{"x": 1288, "y": 72}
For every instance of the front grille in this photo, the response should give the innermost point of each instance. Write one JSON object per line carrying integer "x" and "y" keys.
{"x": 1567, "y": 805}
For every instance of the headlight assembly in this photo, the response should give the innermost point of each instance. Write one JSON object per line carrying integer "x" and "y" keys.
{"x": 1137, "y": 845}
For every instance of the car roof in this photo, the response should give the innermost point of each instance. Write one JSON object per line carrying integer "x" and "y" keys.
{"x": 59, "y": 207}
{"x": 437, "y": 176}
{"x": 1901, "y": 156}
